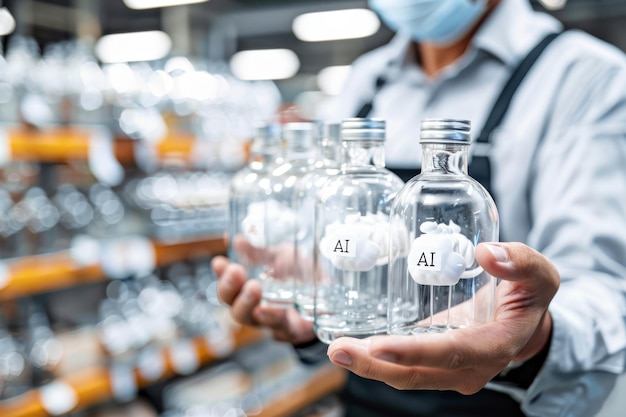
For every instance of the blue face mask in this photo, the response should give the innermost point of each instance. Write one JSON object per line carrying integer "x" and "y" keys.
{"x": 435, "y": 21}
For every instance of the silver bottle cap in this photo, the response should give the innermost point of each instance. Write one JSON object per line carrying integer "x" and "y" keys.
{"x": 267, "y": 134}
{"x": 330, "y": 132}
{"x": 363, "y": 129}
{"x": 445, "y": 131}
{"x": 299, "y": 134}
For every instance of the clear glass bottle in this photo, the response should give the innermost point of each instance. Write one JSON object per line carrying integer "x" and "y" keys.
{"x": 435, "y": 284}
{"x": 326, "y": 167}
{"x": 246, "y": 188}
{"x": 352, "y": 236}
{"x": 276, "y": 215}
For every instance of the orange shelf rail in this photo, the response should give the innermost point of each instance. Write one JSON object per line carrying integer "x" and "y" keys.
{"x": 325, "y": 381}
{"x": 66, "y": 144}
{"x": 43, "y": 273}
{"x": 61, "y": 145}
{"x": 94, "y": 386}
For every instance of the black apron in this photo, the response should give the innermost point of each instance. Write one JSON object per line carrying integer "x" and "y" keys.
{"x": 369, "y": 398}
{"x": 480, "y": 167}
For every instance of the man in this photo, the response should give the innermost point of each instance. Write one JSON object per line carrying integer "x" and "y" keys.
{"x": 558, "y": 174}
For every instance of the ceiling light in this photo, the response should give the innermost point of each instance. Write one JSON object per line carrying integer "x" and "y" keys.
{"x": 153, "y": 4}
{"x": 133, "y": 47}
{"x": 178, "y": 64}
{"x": 7, "y": 22}
{"x": 336, "y": 24}
{"x": 553, "y": 4}
{"x": 265, "y": 64}
{"x": 331, "y": 79}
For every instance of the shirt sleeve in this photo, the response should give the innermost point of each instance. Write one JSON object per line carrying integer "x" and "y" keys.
{"x": 578, "y": 205}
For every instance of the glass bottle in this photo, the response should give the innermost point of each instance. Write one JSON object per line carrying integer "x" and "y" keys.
{"x": 275, "y": 215}
{"x": 326, "y": 167}
{"x": 246, "y": 188}
{"x": 352, "y": 236}
{"x": 435, "y": 283}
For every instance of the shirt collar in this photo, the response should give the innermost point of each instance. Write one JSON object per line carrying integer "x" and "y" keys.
{"x": 509, "y": 33}
{"x": 512, "y": 30}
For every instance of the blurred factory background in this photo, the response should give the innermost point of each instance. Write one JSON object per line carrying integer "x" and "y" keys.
{"x": 122, "y": 123}
{"x": 215, "y": 30}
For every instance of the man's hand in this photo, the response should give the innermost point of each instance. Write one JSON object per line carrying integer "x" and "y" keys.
{"x": 244, "y": 298}
{"x": 464, "y": 360}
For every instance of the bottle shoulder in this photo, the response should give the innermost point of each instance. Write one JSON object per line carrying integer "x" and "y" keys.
{"x": 438, "y": 188}
{"x": 361, "y": 182}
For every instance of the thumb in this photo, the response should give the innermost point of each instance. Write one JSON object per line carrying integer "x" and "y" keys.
{"x": 515, "y": 261}
{"x": 524, "y": 299}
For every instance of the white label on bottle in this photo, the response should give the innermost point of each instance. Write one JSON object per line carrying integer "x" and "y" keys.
{"x": 344, "y": 245}
{"x": 123, "y": 383}
{"x": 427, "y": 260}
{"x": 5, "y": 148}
{"x": 360, "y": 243}
{"x": 184, "y": 357}
{"x": 269, "y": 223}
{"x": 254, "y": 230}
{"x": 58, "y": 398}
{"x": 432, "y": 260}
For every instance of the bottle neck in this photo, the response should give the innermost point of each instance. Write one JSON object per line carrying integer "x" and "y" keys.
{"x": 328, "y": 150}
{"x": 359, "y": 153}
{"x": 301, "y": 150}
{"x": 263, "y": 153}
{"x": 445, "y": 158}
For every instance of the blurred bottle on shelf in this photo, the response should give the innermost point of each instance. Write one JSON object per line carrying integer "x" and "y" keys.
{"x": 12, "y": 223}
{"x": 179, "y": 204}
{"x": 15, "y": 367}
{"x": 21, "y": 58}
{"x": 110, "y": 213}
{"x": 42, "y": 347}
{"x": 75, "y": 213}
{"x": 42, "y": 218}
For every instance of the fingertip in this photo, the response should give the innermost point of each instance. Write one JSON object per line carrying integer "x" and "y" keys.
{"x": 497, "y": 251}
{"x": 219, "y": 263}
{"x": 252, "y": 292}
{"x": 230, "y": 283}
{"x": 348, "y": 343}
{"x": 340, "y": 358}
{"x": 245, "y": 303}
{"x": 495, "y": 258}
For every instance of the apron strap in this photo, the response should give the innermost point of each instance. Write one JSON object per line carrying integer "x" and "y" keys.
{"x": 480, "y": 167}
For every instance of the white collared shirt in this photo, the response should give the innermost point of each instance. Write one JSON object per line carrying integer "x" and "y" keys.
{"x": 558, "y": 175}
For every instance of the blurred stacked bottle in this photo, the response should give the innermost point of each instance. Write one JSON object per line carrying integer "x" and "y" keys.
{"x": 272, "y": 220}
{"x": 327, "y": 166}
{"x": 352, "y": 236}
{"x": 246, "y": 186}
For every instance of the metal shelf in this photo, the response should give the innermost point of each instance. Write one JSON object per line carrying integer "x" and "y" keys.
{"x": 37, "y": 274}
{"x": 93, "y": 386}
